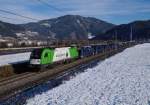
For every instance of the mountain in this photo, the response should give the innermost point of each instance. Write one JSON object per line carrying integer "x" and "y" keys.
{"x": 7, "y": 29}
{"x": 76, "y": 27}
{"x": 139, "y": 29}
{"x": 69, "y": 27}
{"x": 65, "y": 27}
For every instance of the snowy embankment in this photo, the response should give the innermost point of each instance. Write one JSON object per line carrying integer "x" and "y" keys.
{"x": 14, "y": 58}
{"x": 123, "y": 79}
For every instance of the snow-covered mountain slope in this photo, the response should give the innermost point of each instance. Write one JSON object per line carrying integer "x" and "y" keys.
{"x": 14, "y": 58}
{"x": 123, "y": 79}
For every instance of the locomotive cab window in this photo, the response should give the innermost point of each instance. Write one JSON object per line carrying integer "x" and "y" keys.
{"x": 36, "y": 54}
{"x": 66, "y": 54}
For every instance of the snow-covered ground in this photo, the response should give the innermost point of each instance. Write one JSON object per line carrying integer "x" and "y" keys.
{"x": 14, "y": 58}
{"x": 123, "y": 79}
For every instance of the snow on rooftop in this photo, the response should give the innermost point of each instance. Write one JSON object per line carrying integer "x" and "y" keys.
{"x": 46, "y": 24}
{"x": 123, "y": 79}
{"x": 14, "y": 58}
{"x": 90, "y": 36}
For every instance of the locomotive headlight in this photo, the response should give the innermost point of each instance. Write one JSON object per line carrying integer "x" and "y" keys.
{"x": 38, "y": 60}
{"x": 35, "y": 61}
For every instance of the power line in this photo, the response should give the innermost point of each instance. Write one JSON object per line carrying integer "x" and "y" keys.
{"x": 6, "y": 17}
{"x": 48, "y": 5}
{"x": 10, "y": 18}
{"x": 9, "y": 12}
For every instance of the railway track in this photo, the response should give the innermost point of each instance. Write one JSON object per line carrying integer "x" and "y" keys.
{"x": 13, "y": 76}
{"x": 21, "y": 76}
{"x": 16, "y": 78}
{"x": 29, "y": 79}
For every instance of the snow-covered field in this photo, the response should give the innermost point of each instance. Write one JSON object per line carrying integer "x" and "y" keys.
{"x": 123, "y": 79}
{"x": 14, "y": 58}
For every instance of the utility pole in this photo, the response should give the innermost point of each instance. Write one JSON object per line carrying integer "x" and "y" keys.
{"x": 115, "y": 39}
{"x": 131, "y": 34}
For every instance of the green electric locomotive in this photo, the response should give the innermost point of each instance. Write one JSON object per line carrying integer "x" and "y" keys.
{"x": 47, "y": 56}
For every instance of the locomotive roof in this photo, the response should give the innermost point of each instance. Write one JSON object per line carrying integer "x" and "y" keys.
{"x": 98, "y": 44}
{"x": 51, "y": 48}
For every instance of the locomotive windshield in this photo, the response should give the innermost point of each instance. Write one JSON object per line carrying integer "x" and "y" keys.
{"x": 36, "y": 54}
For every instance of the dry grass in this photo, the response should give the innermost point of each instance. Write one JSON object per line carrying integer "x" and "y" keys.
{"x": 6, "y": 71}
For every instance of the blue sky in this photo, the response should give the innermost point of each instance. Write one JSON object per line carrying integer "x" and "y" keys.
{"x": 113, "y": 11}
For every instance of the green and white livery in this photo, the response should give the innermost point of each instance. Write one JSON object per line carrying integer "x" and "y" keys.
{"x": 46, "y": 56}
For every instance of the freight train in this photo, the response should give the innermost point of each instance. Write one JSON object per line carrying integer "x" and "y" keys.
{"x": 49, "y": 56}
